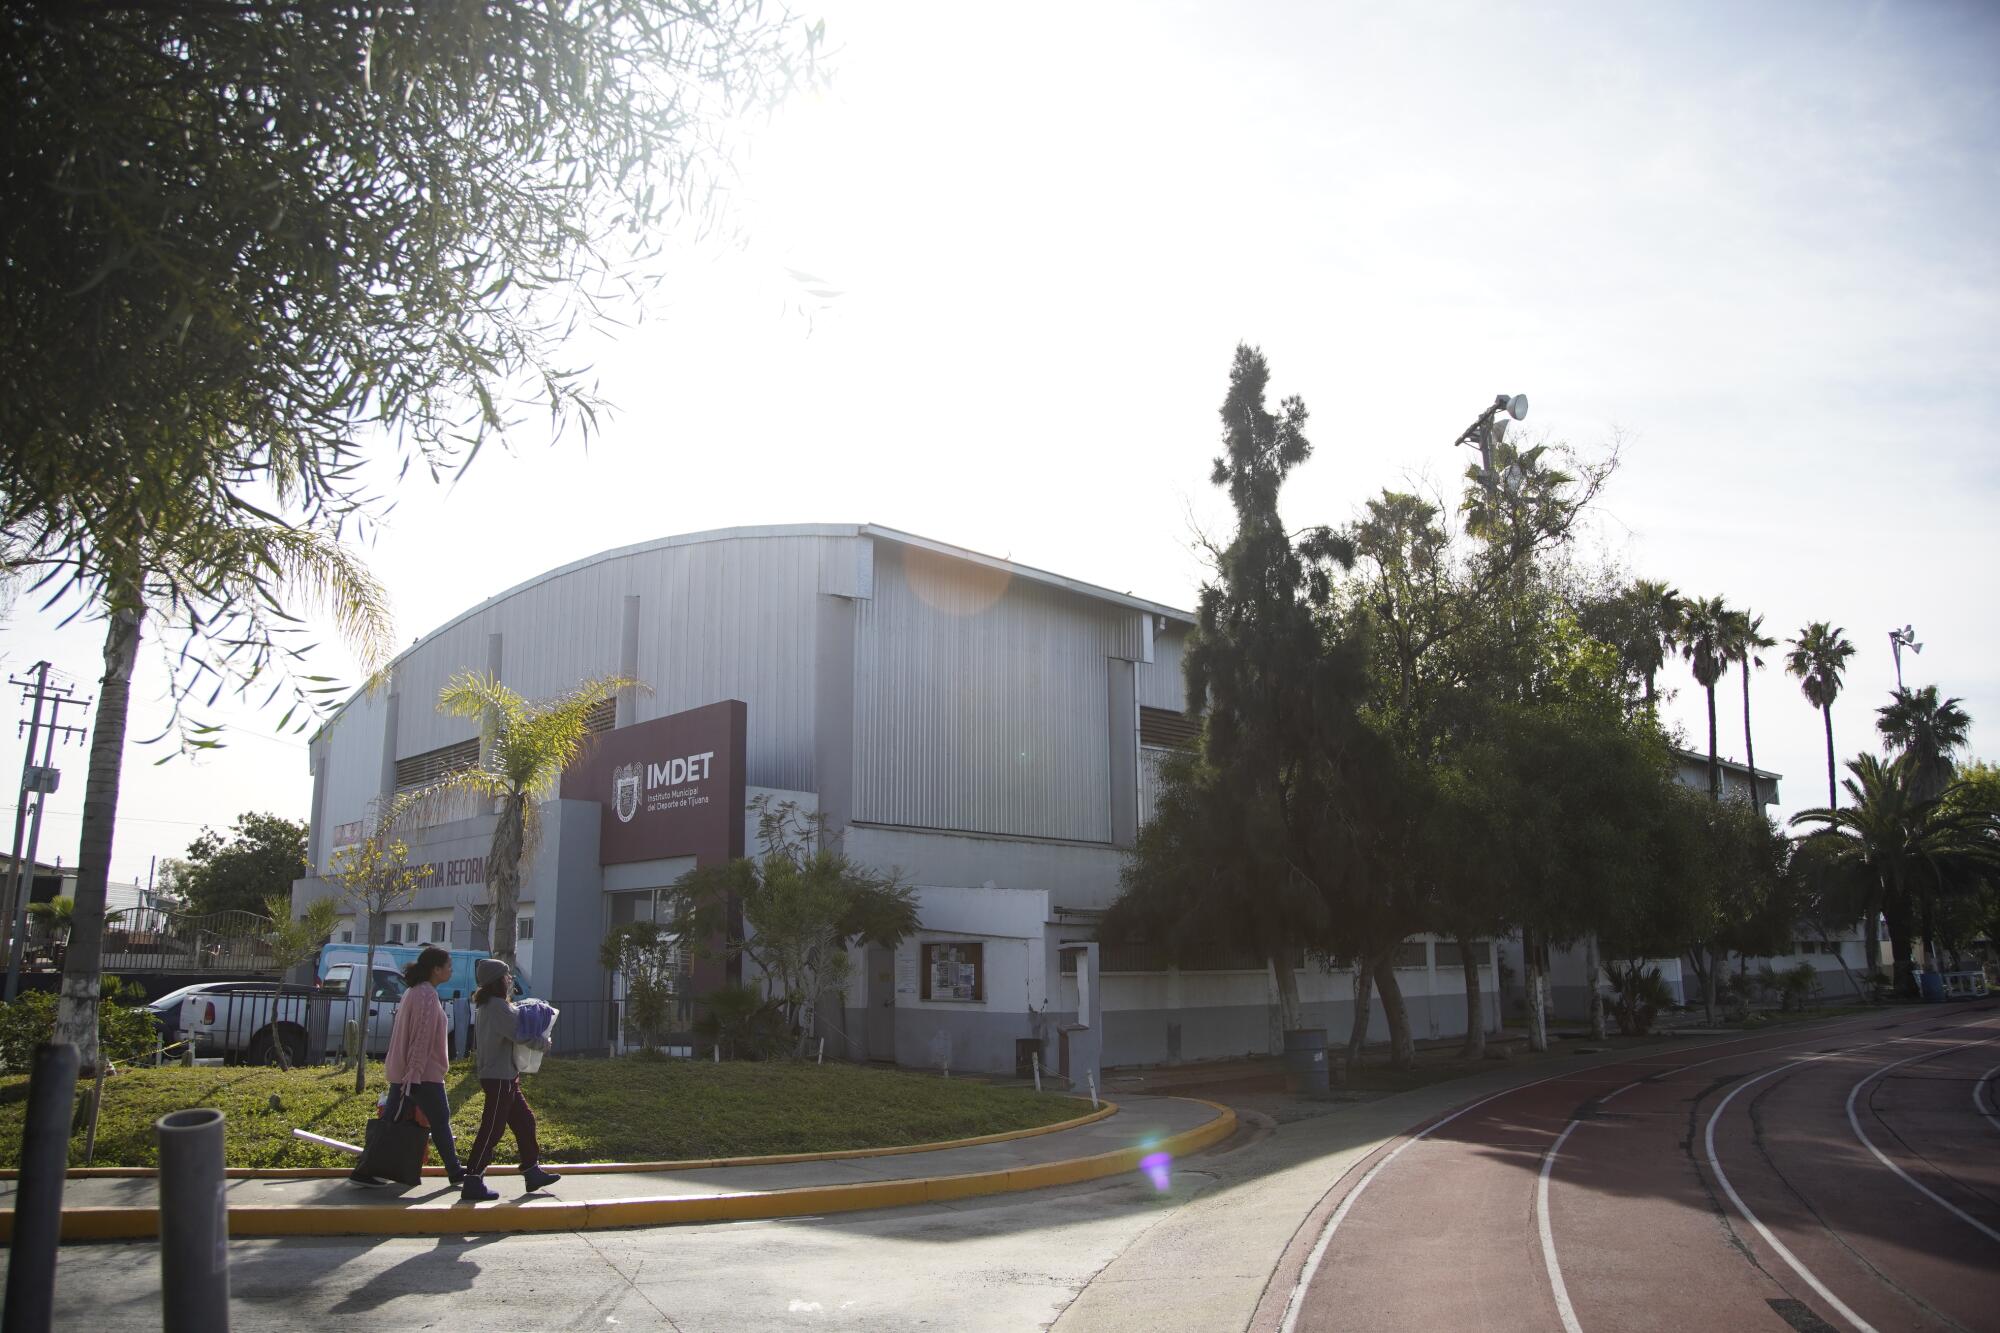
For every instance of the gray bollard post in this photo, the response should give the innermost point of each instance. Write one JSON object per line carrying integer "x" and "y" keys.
{"x": 31, "y": 1262}
{"x": 194, "y": 1223}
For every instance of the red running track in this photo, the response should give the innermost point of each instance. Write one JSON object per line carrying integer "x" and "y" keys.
{"x": 1845, "y": 1176}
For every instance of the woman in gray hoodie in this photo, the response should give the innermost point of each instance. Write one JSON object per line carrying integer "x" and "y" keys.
{"x": 493, "y": 1023}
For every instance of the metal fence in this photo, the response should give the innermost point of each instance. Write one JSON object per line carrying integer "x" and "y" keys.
{"x": 149, "y": 939}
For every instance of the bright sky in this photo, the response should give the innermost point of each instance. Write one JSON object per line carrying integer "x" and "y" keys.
{"x": 1757, "y": 241}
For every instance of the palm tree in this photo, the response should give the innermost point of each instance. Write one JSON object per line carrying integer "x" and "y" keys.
{"x": 1746, "y": 639}
{"x": 1925, "y": 730}
{"x": 1705, "y": 640}
{"x": 1818, "y": 658}
{"x": 529, "y": 744}
{"x": 242, "y": 566}
{"x": 1655, "y": 623}
{"x": 1908, "y": 849}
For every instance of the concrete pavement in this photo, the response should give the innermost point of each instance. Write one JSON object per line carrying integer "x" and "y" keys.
{"x": 125, "y": 1207}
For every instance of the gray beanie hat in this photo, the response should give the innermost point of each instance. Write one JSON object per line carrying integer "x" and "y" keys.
{"x": 488, "y": 970}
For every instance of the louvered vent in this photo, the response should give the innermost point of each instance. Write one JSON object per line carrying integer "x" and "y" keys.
{"x": 421, "y": 770}
{"x": 1167, "y": 727}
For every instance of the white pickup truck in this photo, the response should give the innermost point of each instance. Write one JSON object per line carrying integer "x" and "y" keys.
{"x": 309, "y": 1021}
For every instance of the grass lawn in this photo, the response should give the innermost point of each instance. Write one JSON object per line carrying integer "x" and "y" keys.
{"x": 637, "y": 1109}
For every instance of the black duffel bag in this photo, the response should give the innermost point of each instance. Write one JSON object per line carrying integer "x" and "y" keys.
{"x": 394, "y": 1149}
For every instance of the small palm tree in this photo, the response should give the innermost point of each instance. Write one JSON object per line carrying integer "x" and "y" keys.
{"x": 1925, "y": 730}
{"x": 1746, "y": 640}
{"x": 1705, "y": 640}
{"x": 1909, "y": 849}
{"x": 529, "y": 745}
{"x": 1818, "y": 658}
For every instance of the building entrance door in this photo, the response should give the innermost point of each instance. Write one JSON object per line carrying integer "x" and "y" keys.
{"x": 880, "y": 1031}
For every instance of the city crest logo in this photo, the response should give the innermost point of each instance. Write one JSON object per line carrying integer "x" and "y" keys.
{"x": 625, "y": 790}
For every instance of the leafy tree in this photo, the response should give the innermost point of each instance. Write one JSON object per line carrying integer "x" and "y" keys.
{"x": 1268, "y": 685}
{"x": 804, "y": 906}
{"x": 527, "y": 745}
{"x": 648, "y": 958}
{"x": 262, "y": 855}
{"x": 1209, "y": 872}
{"x": 1926, "y": 731}
{"x": 375, "y": 877}
{"x": 1705, "y": 640}
{"x": 1818, "y": 658}
{"x": 244, "y": 242}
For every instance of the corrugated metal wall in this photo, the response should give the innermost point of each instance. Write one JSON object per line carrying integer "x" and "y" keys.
{"x": 981, "y": 703}
{"x": 354, "y": 766}
{"x": 1160, "y": 682}
{"x": 728, "y": 618}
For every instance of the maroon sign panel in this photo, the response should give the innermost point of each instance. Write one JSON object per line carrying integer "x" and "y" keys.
{"x": 669, "y": 787}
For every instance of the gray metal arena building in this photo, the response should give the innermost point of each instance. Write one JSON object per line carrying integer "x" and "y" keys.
{"x": 986, "y": 729}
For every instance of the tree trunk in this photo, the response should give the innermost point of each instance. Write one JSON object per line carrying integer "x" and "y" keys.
{"x": 1696, "y": 964}
{"x": 1749, "y": 747}
{"x": 1929, "y": 919}
{"x": 1534, "y": 979}
{"x": 1596, "y": 994}
{"x": 1714, "y": 765}
{"x": 1475, "y": 1005}
{"x": 1871, "y": 929}
{"x": 1287, "y": 982}
{"x": 76, "y": 1013}
{"x": 1832, "y": 791}
{"x": 1896, "y": 911}
{"x": 1357, "y": 1032}
{"x": 1840, "y": 956}
{"x": 505, "y": 869}
{"x": 1709, "y": 983}
{"x": 1402, "y": 1042}
{"x": 367, "y": 998}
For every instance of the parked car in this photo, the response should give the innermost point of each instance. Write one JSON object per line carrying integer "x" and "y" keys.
{"x": 310, "y": 1022}
{"x": 166, "y": 1010}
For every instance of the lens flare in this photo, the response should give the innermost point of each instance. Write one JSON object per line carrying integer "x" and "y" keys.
{"x": 1159, "y": 1168}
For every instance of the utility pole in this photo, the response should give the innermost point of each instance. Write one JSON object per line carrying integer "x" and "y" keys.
{"x": 40, "y": 781}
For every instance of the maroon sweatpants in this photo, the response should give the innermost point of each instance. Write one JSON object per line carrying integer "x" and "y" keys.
{"x": 505, "y": 1109}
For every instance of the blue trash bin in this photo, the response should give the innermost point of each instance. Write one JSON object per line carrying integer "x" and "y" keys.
{"x": 1931, "y": 985}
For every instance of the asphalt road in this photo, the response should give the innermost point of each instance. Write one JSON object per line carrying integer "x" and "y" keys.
{"x": 1844, "y": 1176}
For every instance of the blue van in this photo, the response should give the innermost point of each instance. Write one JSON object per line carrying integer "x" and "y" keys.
{"x": 400, "y": 956}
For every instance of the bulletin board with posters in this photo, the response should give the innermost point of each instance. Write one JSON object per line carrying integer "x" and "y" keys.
{"x": 954, "y": 971}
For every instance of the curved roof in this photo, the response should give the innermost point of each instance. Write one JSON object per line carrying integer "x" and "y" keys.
{"x": 1013, "y": 570}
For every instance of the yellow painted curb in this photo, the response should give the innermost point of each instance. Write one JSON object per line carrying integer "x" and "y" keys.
{"x": 608, "y": 1168}
{"x": 665, "y": 1210}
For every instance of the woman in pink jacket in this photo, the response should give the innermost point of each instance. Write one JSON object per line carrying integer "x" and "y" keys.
{"x": 419, "y": 1057}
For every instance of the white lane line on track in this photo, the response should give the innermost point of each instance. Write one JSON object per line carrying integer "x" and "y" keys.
{"x": 1854, "y": 1122}
{"x": 1986, "y": 1107}
{"x": 1722, "y": 1179}
{"x": 1556, "y": 1285}
{"x": 1549, "y": 1260}
{"x": 1294, "y": 1302}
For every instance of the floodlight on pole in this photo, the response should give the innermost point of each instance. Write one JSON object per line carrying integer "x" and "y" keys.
{"x": 1899, "y": 639}
{"x": 1489, "y": 428}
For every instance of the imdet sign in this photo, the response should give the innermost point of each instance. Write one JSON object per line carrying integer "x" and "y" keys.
{"x": 669, "y": 787}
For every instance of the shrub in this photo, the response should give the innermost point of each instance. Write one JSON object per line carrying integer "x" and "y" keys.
{"x": 1638, "y": 997}
{"x": 745, "y": 1024}
{"x": 124, "y": 1029}
{"x": 1738, "y": 990}
{"x": 1797, "y": 985}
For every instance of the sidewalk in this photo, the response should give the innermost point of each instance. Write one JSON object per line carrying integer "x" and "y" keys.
{"x": 125, "y": 1207}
